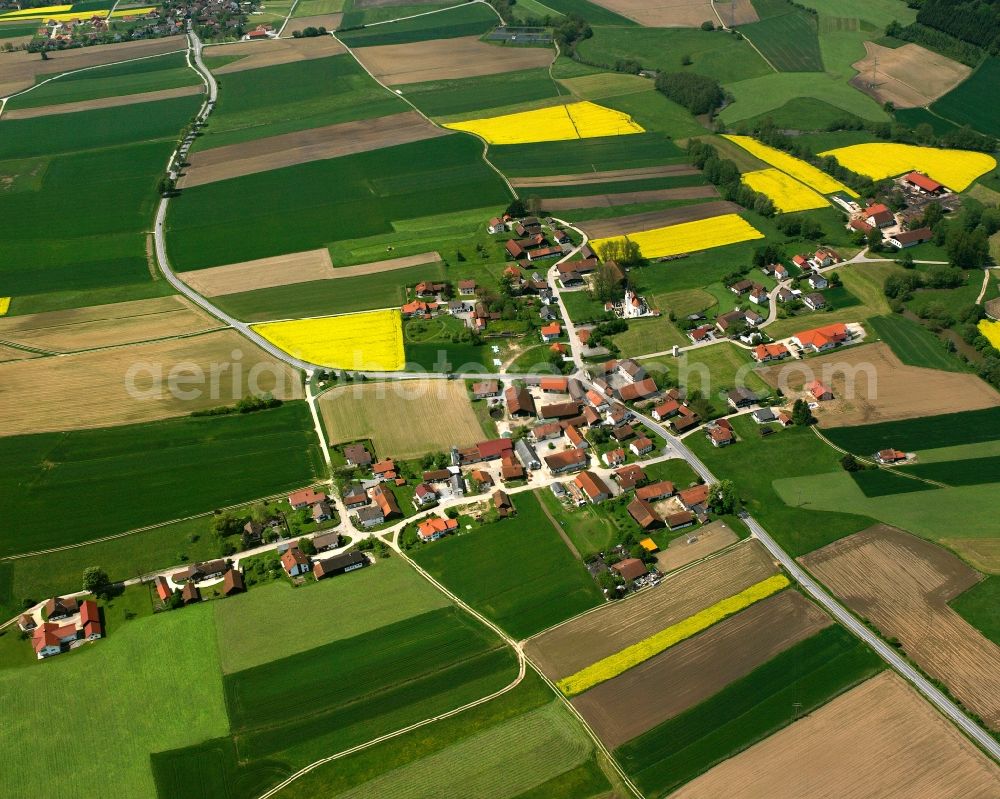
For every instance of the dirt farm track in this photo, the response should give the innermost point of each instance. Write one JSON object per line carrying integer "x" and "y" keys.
{"x": 903, "y": 584}
{"x": 585, "y": 640}
{"x": 879, "y": 740}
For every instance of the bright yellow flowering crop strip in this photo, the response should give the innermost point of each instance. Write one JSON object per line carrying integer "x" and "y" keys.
{"x": 800, "y": 170}
{"x": 690, "y": 236}
{"x": 631, "y": 656}
{"x": 30, "y": 13}
{"x": 956, "y": 169}
{"x": 4, "y": 305}
{"x": 786, "y": 192}
{"x": 370, "y": 341}
{"x": 125, "y": 12}
{"x": 991, "y": 330}
{"x": 584, "y": 120}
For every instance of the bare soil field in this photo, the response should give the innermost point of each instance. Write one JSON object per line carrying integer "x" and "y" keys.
{"x": 284, "y": 270}
{"x": 619, "y": 226}
{"x": 91, "y": 389}
{"x": 21, "y": 69}
{"x": 609, "y": 176}
{"x": 403, "y": 419}
{"x": 102, "y": 102}
{"x": 695, "y": 669}
{"x": 909, "y": 76}
{"x": 880, "y": 739}
{"x": 664, "y": 13}
{"x": 983, "y": 553}
{"x": 14, "y": 354}
{"x": 627, "y": 198}
{"x": 903, "y": 584}
{"x": 572, "y": 646}
{"x": 710, "y": 538}
{"x": 315, "y": 144}
{"x": 107, "y": 325}
{"x": 273, "y": 52}
{"x": 464, "y": 57}
{"x": 329, "y": 21}
{"x": 736, "y": 12}
{"x": 870, "y": 384}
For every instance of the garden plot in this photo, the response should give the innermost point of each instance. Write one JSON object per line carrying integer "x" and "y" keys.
{"x": 697, "y": 668}
{"x": 870, "y": 384}
{"x": 583, "y": 641}
{"x": 879, "y": 739}
{"x": 903, "y": 584}
{"x": 463, "y": 57}
{"x": 98, "y": 326}
{"x": 909, "y": 76}
{"x": 289, "y": 149}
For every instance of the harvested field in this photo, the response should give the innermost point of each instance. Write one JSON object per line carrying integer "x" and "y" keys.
{"x": 97, "y": 326}
{"x": 286, "y": 270}
{"x": 909, "y": 76}
{"x": 697, "y": 668}
{"x": 983, "y": 553}
{"x": 710, "y": 538}
{"x": 464, "y": 57}
{"x": 870, "y": 384}
{"x": 14, "y": 354}
{"x": 903, "y": 584}
{"x": 329, "y": 21}
{"x": 737, "y": 12}
{"x": 609, "y": 176}
{"x": 651, "y": 220}
{"x": 315, "y": 144}
{"x": 878, "y": 739}
{"x": 89, "y": 389}
{"x": 628, "y": 198}
{"x": 254, "y": 55}
{"x": 102, "y": 102}
{"x": 21, "y": 69}
{"x": 664, "y": 13}
{"x": 586, "y": 640}
{"x": 402, "y": 419}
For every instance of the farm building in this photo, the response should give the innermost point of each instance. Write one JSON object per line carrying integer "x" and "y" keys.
{"x": 910, "y": 238}
{"x": 190, "y": 593}
{"x": 655, "y": 491}
{"x": 631, "y": 568}
{"x": 233, "y": 583}
{"x": 163, "y": 589}
{"x": 887, "y": 456}
{"x": 560, "y": 410}
{"x": 878, "y": 215}
{"x": 60, "y": 608}
{"x": 305, "y": 498}
{"x": 385, "y": 500}
{"x": 643, "y": 513}
{"x": 630, "y": 476}
{"x": 679, "y": 520}
{"x": 569, "y": 460}
{"x": 925, "y": 184}
{"x": 595, "y": 489}
{"x": 642, "y": 389}
{"x": 694, "y": 496}
{"x": 486, "y": 388}
{"x": 519, "y": 402}
{"x": 527, "y": 455}
{"x": 502, "y": 503}
{"x": 339, "y": 564}
{"x": 326, "y": 541}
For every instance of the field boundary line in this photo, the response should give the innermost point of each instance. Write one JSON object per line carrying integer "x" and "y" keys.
{"x": 746, "y": 38}
{"x": 558, "y": 527}
{"x": 423, "y": 14}
{"x": 288, "y": 18}
{"x": 870, "y": 462}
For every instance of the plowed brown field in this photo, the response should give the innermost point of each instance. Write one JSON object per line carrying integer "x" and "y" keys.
{"x": 621, "y": 225}
{"x": 609, "y": 176}
{"x": 628, "y": 198}
{"x": 101, "y": 102}
{"x": 710, "y": 538}
{"x": 272, "y": 52}
{"x": 572, "y": 646}
{"x": 908, "y": 76}
{"x": 880, "y": 739}
{"x": 903, "y": 584}
{"x": 695, "y": 669}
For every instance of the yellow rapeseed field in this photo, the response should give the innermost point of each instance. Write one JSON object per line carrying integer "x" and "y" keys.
{"x": 800, "y": 170}
{"x": 956, "y": 169}
{"x": 31, "y": 13}
{"x": 613, "y": 665}
{"x": 4, "y": 305}
{"x": 786, "y": 192}
{"x": 133, "y": 11}
{"x": 689, "y": 236}
{"x": 991, "y": 330}
{"x": 584, "y": 120}
{"x": 371, "y": 341}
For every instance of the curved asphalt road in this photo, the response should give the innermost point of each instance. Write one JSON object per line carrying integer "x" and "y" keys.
{"x": 819, "y": 594}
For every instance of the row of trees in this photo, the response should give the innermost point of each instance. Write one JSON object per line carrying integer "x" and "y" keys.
{"x": 699, "y": 94}
{"x": 726, "y": 175}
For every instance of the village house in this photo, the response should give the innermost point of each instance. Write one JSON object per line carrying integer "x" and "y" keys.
{"x": 630, "y": 370}
{"x": 357, "y": 455}
{"x": 641, "y": 446}
{"x": 424, "y": 495}
{"x": 570, "y": 460}
{"x": 701, "y": 333}
{"x": 613, "y": 457}
{"x": 547, "y": 431}
{"x": 576, "y": 438}
{"x": 814, "y": 300}
{"x": 510, "y": 469}
{"x": 763, "y": 353}
{"x": 50, "y": 639}
{"x": 369, "y": 516}
{"x": 305, "y": 498}
{"x": 741, "y": 397}
{"x": 435, "y": 527}
{"x": 818, "y": 391}
{"x": 637, "y": 391}
{"x": 823, "y": 338}
{"x": 554, "y": 385}
{"x": 494, "y": 449}
{"x": 786, "y": 294}
{"x": 889, "y": 456}
{"x": 817, "y": 281}
{"x": 763, "y": 415}
{"x": 427, "y": 288}
{"x": 467, "y": 288}
{"x": 630, "y": 569}
{"x": 551, "y": 332}
{"x": 878, "y": 215}
{"x": 741, "y": 287}
{"x": 485, "y": 389}
{"x": 502, "y": 503}
{"x": 294, "y": 561}
{"x": 661, "y": 489}
{"x": 385, "y": 500}
{"x": 326, "y": 542}
{"x": 628, "y": 477}
{"x": 694, "y": 497}
{"x": 340, "y": 564}
{"x": 519, "y": 402}
{"x": 355, "y": 496}
{"x": 384, "y": 470}
{"x": 60, "y": 608}
{"x": 623, "y": 432}
{"x": 496, "y": 225}
{"x": 759, "y": 295}
{"x": 720, "y": 436}
{"x": 321, "y": 512}
{"x": 781, "y": 272}
{"x": 666, "y": 410}
{"x": 593, "y": 487}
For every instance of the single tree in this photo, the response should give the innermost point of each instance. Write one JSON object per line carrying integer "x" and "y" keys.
{"x": 95, "y": 580}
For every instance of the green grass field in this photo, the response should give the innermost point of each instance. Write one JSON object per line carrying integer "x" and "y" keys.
{"x": 881, "y": 482}
{"x": 646, "y": 336}
{"x": 593, "y": 13}
{"x": 757, "y": 96}
{"x": 965, "y": 472}
{"x": 804, "y": 113}
{"x": 914, "y": 344}
{"x": 929, "y": 432}
{"x": 148, "y": 75}
{"x": 543, "y": 584}
{"x": 796, "y": 682}
{"x": 614, "y": 187}
{"x": 970, "y": 103}
{"x": 441, "y": 98}
{"x": 978, "y": 606}
{"x": 656, "y": 114}
{"x": 712, "y": 370}
{"x": 716, "y": 54}
{"x": 158, "y": 677}
{"x": 585, "y": 155}
{"x": 115, "y": 479}
{"x": 786, "y": 35}
{"x": 467, "y": 20}
{"x": 291, "y": 97}
{"x": 310, "y": 8}
{"x": 755, "y": 464}
{"x": 298, "y": 211}
{"x": 276, "y": 621}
